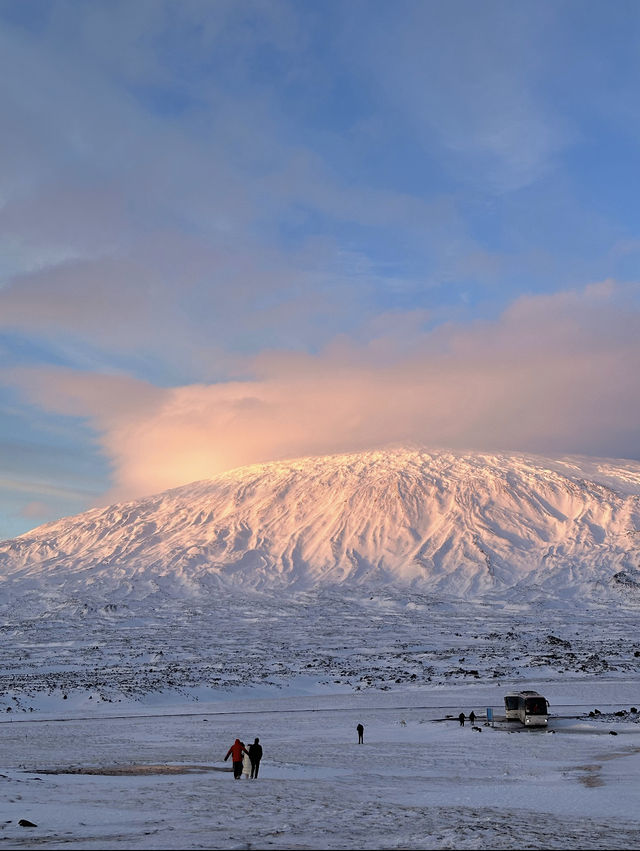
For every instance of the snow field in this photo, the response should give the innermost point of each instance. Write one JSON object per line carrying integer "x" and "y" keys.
{"x": 291, "y": 601}
{"x": 419, "y": 780}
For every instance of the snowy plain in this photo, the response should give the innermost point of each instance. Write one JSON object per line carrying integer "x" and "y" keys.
{"x": 125, "y": 764}
{"x": 293, "y": 601}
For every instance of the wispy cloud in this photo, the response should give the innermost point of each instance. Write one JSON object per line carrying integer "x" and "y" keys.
{"x": 470, "y": 80}
{"x": 46, "y": 489}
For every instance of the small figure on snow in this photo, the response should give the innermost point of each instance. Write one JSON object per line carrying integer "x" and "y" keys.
{"x": 255, "y": 755}
{"x": 235, "y": 751}
{"x": 360, "y": 730}
{"x": 461, "y": 718}
{"x": 472, "y": 717}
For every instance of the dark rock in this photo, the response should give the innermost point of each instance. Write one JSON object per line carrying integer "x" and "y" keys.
{"x": 612, "y": 733}
{"x": 560, "y": 642}
{"x": 26, "y": 823}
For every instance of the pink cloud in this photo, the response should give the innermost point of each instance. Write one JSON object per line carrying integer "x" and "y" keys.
{"x": 555, "y": 373}
{"x": 35, "y": 510}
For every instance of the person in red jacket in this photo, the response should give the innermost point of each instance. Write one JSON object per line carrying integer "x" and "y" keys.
{"x": 235, "y": 751}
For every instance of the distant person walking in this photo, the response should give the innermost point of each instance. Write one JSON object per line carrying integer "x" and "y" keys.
{"x": 235, "y": 752}
{"x": 472, "y": 717}
{"x": 255, "y": 755}
{"x": 461, "y": 719}
{"x": 360, "y": 730}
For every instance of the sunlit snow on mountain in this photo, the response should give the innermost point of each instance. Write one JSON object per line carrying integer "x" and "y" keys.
{"x": 468, "y": 525}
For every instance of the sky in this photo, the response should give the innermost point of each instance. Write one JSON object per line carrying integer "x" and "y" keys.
{"x": 234, "y": 232}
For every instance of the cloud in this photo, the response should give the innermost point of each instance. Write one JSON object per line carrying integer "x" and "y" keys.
{"x": 123, "y": 227}
{"x": 35, "y": 510}
{"x": 470, "y": 80}
{"x": 555, "y": 374}
{"x": 242, "y": 219}
{"x": 290, "y": 203}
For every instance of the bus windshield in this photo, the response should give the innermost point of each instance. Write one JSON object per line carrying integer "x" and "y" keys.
{"x": 535, "y": 706}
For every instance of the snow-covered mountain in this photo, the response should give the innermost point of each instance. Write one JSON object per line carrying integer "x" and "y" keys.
{"x": 449, "y": 523}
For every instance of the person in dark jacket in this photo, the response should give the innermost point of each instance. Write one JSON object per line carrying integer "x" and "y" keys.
{"x": 461, "y": 718}
{"x": 472, "y": 717}
{"x": 255, "y": 755}
{"x": 235, "y": 751}
{"x": 360, "y": 730}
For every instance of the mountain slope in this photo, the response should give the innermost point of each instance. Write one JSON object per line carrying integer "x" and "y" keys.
{"x": 464, "y": 524}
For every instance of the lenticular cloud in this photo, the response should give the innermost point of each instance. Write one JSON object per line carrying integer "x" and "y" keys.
{"x": 554, "y": 374}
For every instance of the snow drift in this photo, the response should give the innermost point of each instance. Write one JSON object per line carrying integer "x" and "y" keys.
{"x": 469, "y": 525}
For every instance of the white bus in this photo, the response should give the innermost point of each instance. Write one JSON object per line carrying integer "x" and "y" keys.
{"x": 528, "y": 707}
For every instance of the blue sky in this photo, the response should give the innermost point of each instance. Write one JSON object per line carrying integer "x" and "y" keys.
{"x": 232, "y": 232}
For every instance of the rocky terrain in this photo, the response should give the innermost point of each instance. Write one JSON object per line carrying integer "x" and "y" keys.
{"x": 321, "y": 641}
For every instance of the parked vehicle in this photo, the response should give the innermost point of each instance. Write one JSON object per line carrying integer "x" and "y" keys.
{"x": 528, "y": 707}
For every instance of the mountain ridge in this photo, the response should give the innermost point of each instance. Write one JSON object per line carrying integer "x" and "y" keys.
{"x": 468, "y": 524}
